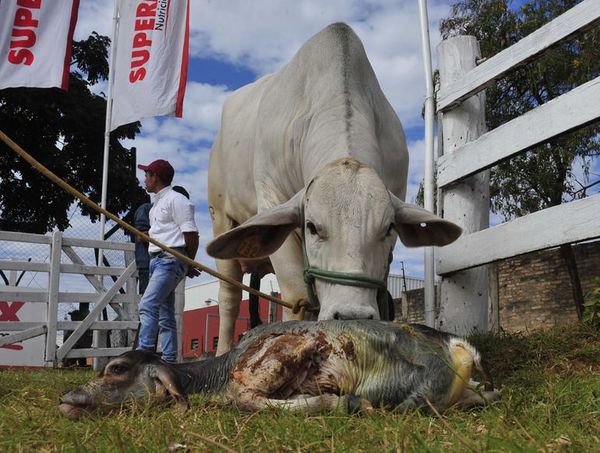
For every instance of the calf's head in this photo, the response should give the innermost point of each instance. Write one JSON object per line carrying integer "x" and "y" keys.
{"x": 135, "y": 376}
{"x": 350, "y": 223}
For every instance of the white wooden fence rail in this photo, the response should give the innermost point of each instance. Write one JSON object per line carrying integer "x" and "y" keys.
{"x": 468, "y": 154}
{"x": 572, "y": 222}
{"x": 580, "y": 16}
{"x": 560, "y": 115}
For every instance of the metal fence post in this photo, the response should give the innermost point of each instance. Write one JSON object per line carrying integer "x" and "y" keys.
{"x": 179, "y": 307}
{"x": 53, "y": 288}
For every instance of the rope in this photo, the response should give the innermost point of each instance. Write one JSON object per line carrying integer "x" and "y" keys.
{"x": 190, "y": 262}
{"x": 345, "y": 278}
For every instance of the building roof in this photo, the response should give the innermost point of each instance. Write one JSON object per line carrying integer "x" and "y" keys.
{"x": 206, "y": 294}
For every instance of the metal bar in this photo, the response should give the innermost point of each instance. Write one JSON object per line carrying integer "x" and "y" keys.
{"x": 22, "y": 336}
{"x": 99, "y": 325}
{"x": 95, "y": 352}
{"x": 53, "y": 288}
{"x": 99, "y": 305}
{"x": 428, "y": 185}
{"x": 113, "y": 53}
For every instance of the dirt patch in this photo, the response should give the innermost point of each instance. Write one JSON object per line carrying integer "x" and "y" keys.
{"x": 323, "y": 345}
{"x": 348, "y": 350}
{"x": 251, "y": 351}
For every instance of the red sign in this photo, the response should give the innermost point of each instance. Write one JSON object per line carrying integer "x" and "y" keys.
{"x": 8, "y": 312}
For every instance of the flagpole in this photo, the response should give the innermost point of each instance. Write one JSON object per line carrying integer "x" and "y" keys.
{"x": 428, "y": 184}
{"x": 109, "y": 101}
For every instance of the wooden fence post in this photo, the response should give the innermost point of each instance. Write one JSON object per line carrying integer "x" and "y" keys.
{"x": 464, "y": 295}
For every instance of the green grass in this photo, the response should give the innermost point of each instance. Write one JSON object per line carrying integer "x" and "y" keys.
{"x": 551, "y": 402}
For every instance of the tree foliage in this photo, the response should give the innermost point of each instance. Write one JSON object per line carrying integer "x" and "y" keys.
{"x": 65, "y": 132}
{"x": 560, "y": 169}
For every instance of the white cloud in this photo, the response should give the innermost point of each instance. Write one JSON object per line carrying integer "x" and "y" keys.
{"x": 183, "y": 142}
{"x": 262, "y": 36}
{"x": 201, "y": 116}
{"x": 94, "y": 16}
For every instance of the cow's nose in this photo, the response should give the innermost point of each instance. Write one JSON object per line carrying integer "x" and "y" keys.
{"x": 348, "y": 316}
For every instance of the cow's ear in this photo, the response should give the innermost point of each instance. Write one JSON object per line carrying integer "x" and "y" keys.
{"x": 260, "y": 235}
{"x": 418, "y": 227}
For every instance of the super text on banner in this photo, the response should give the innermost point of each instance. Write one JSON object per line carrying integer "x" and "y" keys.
{"x": 35, "y": 42}
{"x": 150, "y": 69}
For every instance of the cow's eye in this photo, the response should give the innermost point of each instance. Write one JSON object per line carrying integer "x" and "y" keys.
{"x": 312, "y": 229}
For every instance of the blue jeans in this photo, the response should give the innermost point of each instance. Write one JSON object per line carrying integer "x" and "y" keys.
{"x": 157, "y": 306}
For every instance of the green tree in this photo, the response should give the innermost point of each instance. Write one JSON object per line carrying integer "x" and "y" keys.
{"x": 559, "y": 170}
{"x": 65, "y": 132}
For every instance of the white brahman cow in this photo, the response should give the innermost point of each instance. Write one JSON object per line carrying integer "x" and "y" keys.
{"x": 314, "y": 153}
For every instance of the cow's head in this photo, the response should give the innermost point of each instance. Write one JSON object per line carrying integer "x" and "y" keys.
{"x": 350, "y": 223}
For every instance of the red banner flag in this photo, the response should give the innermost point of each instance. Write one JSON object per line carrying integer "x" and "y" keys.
{"x": 151, "y": 61}
{"x": 35, "y": 42}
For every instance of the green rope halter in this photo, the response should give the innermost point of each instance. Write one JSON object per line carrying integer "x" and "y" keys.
{"x": 348, "y": 279}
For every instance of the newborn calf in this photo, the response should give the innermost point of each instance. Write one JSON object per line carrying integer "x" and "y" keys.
{"x": 303, "y": 365}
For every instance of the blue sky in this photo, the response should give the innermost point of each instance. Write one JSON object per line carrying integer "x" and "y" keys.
{"x": 234, "y": 42}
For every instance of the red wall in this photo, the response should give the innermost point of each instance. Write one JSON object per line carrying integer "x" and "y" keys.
{"x": 201, "y": 327}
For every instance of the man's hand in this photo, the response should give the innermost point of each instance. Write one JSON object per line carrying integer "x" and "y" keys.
{"x": 191, "y": 245}
{"x": 139, "y": 239}
{"x": 193, "y": 272}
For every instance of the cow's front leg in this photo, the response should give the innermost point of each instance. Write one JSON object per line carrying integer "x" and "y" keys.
{"x": 288, "y": 264}
{"x": 230, "y": 297}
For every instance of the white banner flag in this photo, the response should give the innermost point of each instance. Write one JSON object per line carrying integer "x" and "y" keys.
{"x": 150, "y": 69}
{"x": 35, "y": 42}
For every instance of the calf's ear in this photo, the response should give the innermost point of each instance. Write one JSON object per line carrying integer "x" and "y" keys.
{"x": 418, "y": 227}
{"x": 260, "y": 235}
{"x": 170, "y": 381}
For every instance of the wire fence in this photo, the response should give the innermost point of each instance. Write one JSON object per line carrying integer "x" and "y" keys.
{"x": 81, "y": 227}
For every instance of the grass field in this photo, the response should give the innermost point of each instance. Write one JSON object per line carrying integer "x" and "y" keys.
{"x": 551, "y": 402}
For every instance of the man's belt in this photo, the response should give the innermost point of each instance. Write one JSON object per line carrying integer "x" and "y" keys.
{"x": 179, "y": 249}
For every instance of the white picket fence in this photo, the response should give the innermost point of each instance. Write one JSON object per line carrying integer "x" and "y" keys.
{"x": 121, "y": 295}
{"x": 469, "y": 151}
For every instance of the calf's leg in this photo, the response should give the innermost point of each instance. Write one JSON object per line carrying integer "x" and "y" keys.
{"x": 472, "y": 397}
{"x": 346, "y": 404}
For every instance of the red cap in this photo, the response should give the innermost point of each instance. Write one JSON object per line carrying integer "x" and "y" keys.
{"x": 161, "y": 168}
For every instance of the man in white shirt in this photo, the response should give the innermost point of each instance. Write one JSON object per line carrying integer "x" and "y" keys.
{"x": 171, "y": 223}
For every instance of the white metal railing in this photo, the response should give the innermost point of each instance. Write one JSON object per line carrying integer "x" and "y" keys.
{"x": 121, "y": 295}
